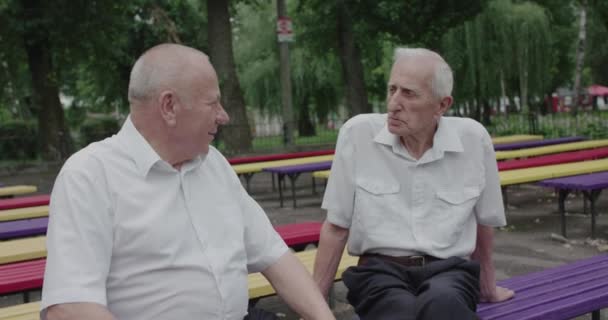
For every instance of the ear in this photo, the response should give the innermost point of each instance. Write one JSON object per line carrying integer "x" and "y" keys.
{"x": 445, "y": 104}
{"x": 167, "y": 102}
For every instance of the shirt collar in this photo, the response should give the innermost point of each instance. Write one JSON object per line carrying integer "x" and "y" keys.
{"x": 137, "y": 147}
{"x": 445, "y": 139}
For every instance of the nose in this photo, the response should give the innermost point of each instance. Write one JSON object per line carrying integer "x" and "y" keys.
{"x": 222, "y": 116}
{"x": 393, "y": 103}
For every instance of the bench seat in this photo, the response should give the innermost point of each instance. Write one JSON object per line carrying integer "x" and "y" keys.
{"x": 281, "y": 156}
{"x": 10, "y": 191}
{"x": 24, "y": 213}
{"x": 535, "y": 143}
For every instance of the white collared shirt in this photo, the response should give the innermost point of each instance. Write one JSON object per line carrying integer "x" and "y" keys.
{"x": 130, "y": 232}
{"x": 396, "y": 205}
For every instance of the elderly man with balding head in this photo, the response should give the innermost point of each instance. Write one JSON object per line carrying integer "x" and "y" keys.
{"x": 416, "y": 195}
{"x": 153, "y": 223}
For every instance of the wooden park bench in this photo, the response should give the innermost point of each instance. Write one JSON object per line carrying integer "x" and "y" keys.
{"x": 557, "y": 148}
{"x": 293, "y": 172}
{"x": 550, "y": 159}
{"x": 259, "y": 287}
{"x": 564, "y": 292}
{"x": 591, "y": 185}
{"x": 249, "y": 169}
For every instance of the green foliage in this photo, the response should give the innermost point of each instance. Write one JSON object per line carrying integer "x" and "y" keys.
{"x": 75, "y": 116}
{"x": 18, "y": 140}
{"x": 95, "y": 129}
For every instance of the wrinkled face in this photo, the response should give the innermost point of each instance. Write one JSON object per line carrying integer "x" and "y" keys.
{"x": 200, "y": 113}
{"x": 413, "y": 110}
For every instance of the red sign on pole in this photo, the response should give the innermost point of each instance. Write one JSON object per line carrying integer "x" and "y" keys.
{"x": 284, "y": 30}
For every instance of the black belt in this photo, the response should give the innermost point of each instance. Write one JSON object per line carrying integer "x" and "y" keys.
{"x": 406, "y": 261}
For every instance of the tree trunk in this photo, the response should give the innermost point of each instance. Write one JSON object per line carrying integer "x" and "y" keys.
{"x": 487, "y": 112}
{"x": 306, "y": 127}
{"x": 580, "y": 54}
{"x": 53, "y": 135}
{"x": 237, "y": 134}
{"x": 352, "y": 67}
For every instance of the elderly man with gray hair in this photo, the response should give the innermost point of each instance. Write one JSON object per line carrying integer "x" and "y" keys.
{"x": 153, "y": 223}
{"x": 416, "y": 196}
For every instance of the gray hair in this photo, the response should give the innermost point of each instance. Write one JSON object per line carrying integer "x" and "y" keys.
{"x": 442, "y": 81}
{"x": 159, "y": 68}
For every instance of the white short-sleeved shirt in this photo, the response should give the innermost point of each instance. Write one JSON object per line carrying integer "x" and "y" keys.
{"x": 396, "y": 205}
{"x": 130, "y": 232}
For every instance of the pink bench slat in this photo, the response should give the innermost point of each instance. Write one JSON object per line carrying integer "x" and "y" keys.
{"x": 21, "y": 276}
{"x": 300, "y": 233}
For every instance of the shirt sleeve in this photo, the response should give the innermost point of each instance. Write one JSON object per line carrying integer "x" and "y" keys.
{"x": 264, "y": 246}
{"x": 489, "y": 209}
{"x": 79, "y": 241}
{"x": 340, "y": 191}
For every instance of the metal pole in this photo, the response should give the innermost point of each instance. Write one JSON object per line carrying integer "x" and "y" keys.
{"x": 286, "y": 100}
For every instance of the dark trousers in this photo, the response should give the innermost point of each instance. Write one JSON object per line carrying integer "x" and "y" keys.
{"x": 385, "y": 290}
{"x": 259, "y": 314}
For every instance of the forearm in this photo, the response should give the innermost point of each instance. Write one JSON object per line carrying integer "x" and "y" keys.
{"x": 294, "y": 284}
{"x": 80, "y": 310}
{"x": 483, "y": 255}
{"x": 331, "y": 245}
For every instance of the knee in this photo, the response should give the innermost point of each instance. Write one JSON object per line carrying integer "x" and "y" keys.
{"x": 443, "y": 303}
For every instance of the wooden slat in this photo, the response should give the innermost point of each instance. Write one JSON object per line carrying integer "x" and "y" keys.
{"x": 557, "y": 148}
{"x": 22, "y": 249}
{"x": 516, "y": 138}
{"x": 27, "y": 311}
{"x": 258, "y": 166}
{"x": 17, "y": 190}
{"x": 24, "y": 213}
{"x": 527, "y": 175}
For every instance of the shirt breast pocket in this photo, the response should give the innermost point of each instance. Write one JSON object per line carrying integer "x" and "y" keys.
{"x": 451, "y": 210}
{"x": 377, "y": 205}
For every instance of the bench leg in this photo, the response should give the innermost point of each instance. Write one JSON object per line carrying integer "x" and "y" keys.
{"x": 561, "y": 201}
{"x": 280, "y": 178}
{"x": 273, "y": 185}
{"x": 595, "y": 315}
{"x": 248, "y": 181}
{"x": 592, "y": 196}
{"x": 504, "y": 197}
{"x": 314, "y": 191}
{"x": 26, "y": 297}
{"x": 292, "y": 179}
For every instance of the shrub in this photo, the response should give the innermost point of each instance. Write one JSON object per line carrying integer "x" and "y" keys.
{"x": 95, "y": 129}
{"x": 18, "y": 140}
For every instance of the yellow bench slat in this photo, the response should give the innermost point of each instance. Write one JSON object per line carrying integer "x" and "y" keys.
{"x": 22, "y": 249}
{"x": 556, "y": 148}
{"x": 516, "y": 138}
{"x": 24, "y": 213}
{"x": 27, "y": 311}
{"x": 258, "y": 166}
{"x": 17, "y": 190}
{"x": 519, "y": 176}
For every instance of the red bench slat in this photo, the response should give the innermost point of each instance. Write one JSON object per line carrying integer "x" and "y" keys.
{"x": 300, "y": 233}
{"x": 21, "y": 276}
{"x": 22, "y": 202}
{"x": 554, "y": 159}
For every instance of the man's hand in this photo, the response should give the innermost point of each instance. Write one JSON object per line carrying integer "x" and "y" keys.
{"x": 500, "y": 294}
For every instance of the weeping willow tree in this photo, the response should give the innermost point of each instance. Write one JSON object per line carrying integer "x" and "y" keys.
{"x": 504, "y": 51}
{"x": 315, "y": 78}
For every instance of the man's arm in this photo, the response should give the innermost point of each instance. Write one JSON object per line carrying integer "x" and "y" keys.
{"x": 490, "y": 292}
{"x": 80, "y": 310}
{"x": 331, "y": 245}
{"x": 294, "y": 284}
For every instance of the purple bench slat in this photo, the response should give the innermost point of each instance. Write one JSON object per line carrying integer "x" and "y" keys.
{"x": 300, "y": 168}
{"x": 563, "y": 292}
{"x": 592, "y": 181}
{"x": 23, "y": 228}
{"x": 536, "y": 143}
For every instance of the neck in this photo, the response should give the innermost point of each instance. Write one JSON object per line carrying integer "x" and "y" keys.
{"x": 156, "y": 134}
{"x": 418, "y": 144}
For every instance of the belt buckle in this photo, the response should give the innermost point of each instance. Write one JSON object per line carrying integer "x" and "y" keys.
{"x": 420, "y": 258}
